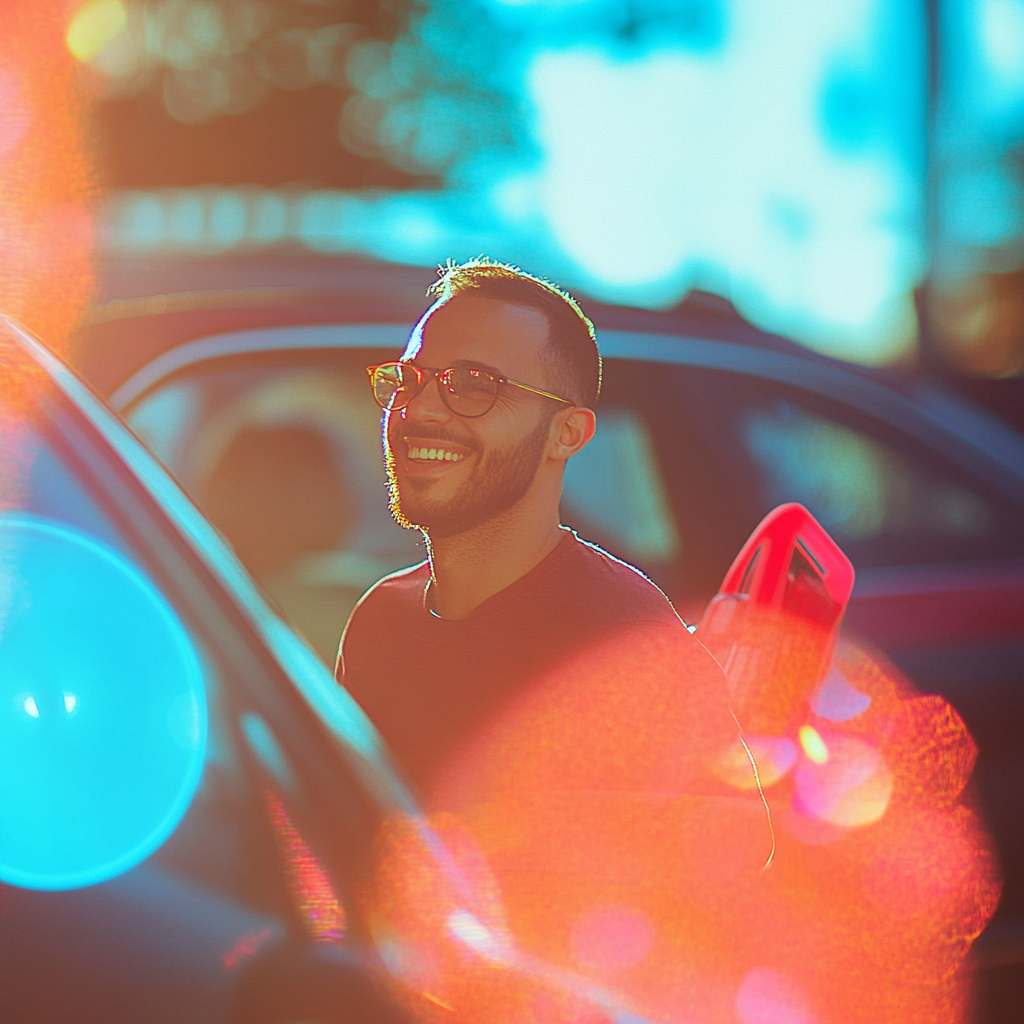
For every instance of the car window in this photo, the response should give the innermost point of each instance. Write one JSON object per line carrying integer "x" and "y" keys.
{"x": 614, "y": 492}
{"x": 712, "y": 452}
{"x": 284, "y": 457}
{"x": 150, "y": 846}
{"x": 861, "y": 488}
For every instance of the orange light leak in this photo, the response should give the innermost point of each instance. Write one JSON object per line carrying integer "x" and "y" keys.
{"x": 22, "y": 381}
{"x": 310, "y": 885}
{"x": 621, "y": 841}
{"x": 47, "y": 183}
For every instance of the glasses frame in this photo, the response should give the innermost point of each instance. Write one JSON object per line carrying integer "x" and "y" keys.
{"x": 423, "y": 373}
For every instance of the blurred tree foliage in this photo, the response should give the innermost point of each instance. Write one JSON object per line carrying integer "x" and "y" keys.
{"x": 978, "y": 318}
{"x": 347, "y": 93}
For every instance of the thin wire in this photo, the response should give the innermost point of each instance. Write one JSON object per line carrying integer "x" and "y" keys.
{"x": 760, "y": 790}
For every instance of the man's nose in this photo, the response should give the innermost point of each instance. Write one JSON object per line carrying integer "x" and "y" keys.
{"x": 427, "y": 406}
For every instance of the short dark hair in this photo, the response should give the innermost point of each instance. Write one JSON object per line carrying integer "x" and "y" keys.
{"x": 572, "y": 353}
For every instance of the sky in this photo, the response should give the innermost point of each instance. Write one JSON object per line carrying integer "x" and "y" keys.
{"x": 787, "y": 155}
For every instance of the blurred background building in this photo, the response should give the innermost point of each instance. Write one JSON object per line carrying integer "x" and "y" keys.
{"x": 849, "y": 174}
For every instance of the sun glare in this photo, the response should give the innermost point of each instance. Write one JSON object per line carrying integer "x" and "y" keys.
{"x": 94, "y": 26}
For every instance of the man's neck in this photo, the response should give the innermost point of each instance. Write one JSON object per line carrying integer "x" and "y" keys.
{"x": 471, "y": 567}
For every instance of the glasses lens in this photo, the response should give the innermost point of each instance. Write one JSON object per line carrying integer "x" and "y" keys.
{"x": 394, "y": 385}
{"x": 469, "y": 392}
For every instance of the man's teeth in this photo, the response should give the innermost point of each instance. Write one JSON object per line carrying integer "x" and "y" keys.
{"x": 437, "y": 454}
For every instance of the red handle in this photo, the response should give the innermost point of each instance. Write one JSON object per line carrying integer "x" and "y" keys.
{"x": 791, "y": 564}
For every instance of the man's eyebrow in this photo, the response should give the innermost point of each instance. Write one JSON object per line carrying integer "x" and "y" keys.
{"x": 473, "y": 364}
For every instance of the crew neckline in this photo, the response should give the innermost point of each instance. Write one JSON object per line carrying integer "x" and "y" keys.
{"x": 506, "y": 594}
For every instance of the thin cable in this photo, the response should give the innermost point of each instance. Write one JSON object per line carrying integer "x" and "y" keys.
{"x": 760, "y": 790}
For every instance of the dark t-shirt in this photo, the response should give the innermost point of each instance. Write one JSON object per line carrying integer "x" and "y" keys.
{"x": 429, "y": 684}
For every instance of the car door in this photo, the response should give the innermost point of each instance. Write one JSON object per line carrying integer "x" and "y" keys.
{"x": 180, "y": 835}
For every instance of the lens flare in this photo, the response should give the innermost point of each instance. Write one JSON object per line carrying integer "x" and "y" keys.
{"x": 94, "y": 26}
{"x": 774, "y": 756}
{"x": 311, "y": 887}
{"x": 837, "y": 699}
{"x": 244, "y": 949}
{"x": 435, "y": 916}
{"x": 47, "y": 180}
{"x": 812, "y": 744}
{"x": 612, "y": 938}
{"x": 477, "y": 936}
{"x": 609, "y": 830}
{"x": 765, "y": 997}
{"x": 850, "y": 787}
{"x": 95, "y": 781}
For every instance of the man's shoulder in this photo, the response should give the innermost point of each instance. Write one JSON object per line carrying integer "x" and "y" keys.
{"x": 397, "y": 589}
{"x": 382, "y": 606}
{"x": 614, "y": 586}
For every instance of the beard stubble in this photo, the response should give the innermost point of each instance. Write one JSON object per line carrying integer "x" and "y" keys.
{"x": 499, "y": 481}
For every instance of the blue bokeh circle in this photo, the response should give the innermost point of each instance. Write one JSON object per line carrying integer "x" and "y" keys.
{"x": 103, "y": 713}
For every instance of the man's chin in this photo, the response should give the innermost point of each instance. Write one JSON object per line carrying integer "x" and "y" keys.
{"x": 438, "y": 519}
{"x": 437, "y": 523}
{"x": 410, "y": 506}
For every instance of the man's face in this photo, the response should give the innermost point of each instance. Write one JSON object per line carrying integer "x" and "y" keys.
{"x": 494, "y": 458}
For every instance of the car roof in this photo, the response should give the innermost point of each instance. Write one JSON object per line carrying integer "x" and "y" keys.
{"x": 144, "y": 307}
{"x": 216, "y": 306}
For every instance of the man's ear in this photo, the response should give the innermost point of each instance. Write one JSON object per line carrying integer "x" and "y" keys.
{"x": 571, "y": 431}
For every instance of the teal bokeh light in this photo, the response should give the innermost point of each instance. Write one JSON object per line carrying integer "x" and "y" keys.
{"x": 103, "y": 718}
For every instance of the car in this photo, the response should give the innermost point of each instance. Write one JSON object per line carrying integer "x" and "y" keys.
{"x": 245, "y": 376}
{"x": 191, "y": 810}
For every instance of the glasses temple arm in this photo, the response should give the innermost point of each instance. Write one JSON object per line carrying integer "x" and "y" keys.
{"x": 537, "y": 391}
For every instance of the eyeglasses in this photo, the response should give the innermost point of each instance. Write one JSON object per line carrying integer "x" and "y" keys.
{"x": 465, "y": 390}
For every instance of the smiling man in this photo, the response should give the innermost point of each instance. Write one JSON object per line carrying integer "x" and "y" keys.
{"x": 494, "y": 393}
